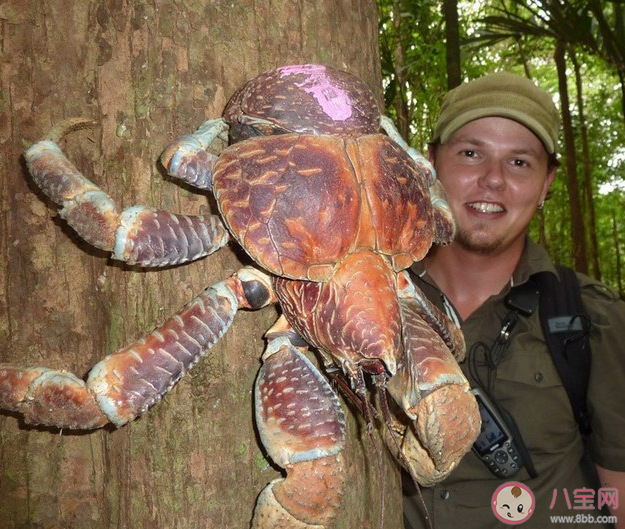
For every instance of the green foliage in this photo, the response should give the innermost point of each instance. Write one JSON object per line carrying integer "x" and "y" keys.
{"x": 520, "y": 36}
{"x": 410, "y": 32}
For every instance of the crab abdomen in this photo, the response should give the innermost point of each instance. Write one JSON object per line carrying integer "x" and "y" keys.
{"x": 354, "y": 316}
{"x": 299, "y": 204}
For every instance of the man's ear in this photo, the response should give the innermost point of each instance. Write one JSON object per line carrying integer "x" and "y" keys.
{"x": 431, "y": 153}
{"x": 547, "y": 185}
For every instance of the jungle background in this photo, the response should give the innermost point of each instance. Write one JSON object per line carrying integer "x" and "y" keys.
{"x": 148, "y": 71}
{"x": 574, "y": 49}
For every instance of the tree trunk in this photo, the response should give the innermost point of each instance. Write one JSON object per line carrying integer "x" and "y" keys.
{"x": 587, "y": 186}
{"x": 452, "y": 46}
{"x": 578, "y": 233}
{"x": 147, "y": 72}
{"x": 401, "y": 103}
{"x": 617, "y": 246}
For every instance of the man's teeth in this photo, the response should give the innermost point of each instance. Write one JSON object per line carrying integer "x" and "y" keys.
{"x": 486, "y": 207}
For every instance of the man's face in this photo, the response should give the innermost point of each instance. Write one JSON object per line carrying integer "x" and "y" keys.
{"x": 496, "y": 173}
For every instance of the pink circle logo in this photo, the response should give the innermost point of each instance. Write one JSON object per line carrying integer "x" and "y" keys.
{"x": 513, "y": 503}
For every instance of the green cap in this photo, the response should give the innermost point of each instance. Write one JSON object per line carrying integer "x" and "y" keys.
{"x": 500, "y": 94}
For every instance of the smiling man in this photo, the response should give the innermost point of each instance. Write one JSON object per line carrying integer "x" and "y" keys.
{"x": 494, "y": 150}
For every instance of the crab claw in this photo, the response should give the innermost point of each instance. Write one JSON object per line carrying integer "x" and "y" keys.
{"x": 434, "y": 394}
{"x": 432, "y": 446}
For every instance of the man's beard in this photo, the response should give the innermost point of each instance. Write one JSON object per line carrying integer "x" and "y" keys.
{"x": 475, "y": 241}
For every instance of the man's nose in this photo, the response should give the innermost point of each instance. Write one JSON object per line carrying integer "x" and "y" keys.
{"x": 492, "y": 176}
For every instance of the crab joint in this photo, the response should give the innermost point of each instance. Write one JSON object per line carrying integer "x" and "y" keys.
{"x": 257, "y": 289}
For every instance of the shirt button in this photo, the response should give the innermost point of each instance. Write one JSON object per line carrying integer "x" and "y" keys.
{"x": 445, "y": 494}
{"x": 538, "y": 377}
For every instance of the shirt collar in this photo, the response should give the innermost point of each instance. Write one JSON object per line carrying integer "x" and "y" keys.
{"x": 534, "y": 259}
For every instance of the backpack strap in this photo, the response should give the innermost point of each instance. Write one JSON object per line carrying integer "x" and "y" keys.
{"x": 566, "y": 327}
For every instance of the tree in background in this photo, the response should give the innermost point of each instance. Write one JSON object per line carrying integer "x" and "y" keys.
{"x": 147, "y": 72}
{"x": 452, "y": 40}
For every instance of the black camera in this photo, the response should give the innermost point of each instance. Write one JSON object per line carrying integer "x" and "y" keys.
{"x": 495, "y": 445}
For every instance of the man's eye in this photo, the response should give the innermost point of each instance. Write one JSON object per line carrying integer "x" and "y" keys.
{"x": 520, "y": 163}
{"x": 469, "y": 154}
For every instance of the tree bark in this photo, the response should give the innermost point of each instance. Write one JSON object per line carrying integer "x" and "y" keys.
{"x": 147, "y": 72}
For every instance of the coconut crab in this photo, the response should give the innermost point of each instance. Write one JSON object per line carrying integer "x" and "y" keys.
{"x": 333, "y": 212}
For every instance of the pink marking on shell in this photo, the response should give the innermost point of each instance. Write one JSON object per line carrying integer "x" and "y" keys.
{"x": 334, "y": 101}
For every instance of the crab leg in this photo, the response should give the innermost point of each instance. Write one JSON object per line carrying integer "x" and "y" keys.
{"x": 389, "y": 127}
{"x": 434, "y": 393}
{"x": 302, "y": 426}
{"x": 125, "y": 384}
{"x": 189, "y": 158}
{"x": 440, "y": 322}
{"x": 445, "y": 224}
{"x": 138, "y": 235}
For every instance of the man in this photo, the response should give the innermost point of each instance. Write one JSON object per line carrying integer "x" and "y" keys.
{"x": 494, "y": 150}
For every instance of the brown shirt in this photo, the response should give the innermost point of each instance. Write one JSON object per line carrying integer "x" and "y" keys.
{"x": 528, "y": 386}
